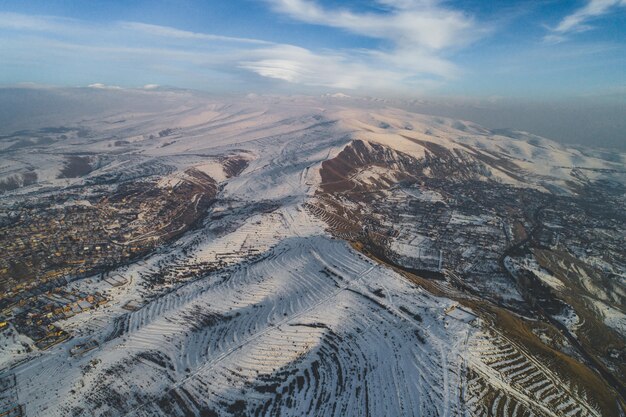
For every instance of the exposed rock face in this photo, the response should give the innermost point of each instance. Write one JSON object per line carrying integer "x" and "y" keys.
{"x": 341, "y": 173}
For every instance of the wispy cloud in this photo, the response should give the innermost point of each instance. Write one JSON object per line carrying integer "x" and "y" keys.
{"x": 332, "y": 69}
{"x": 17, "y": 21}
{"x": 169, "y": 32}
{"x": 416, "y": 34}
{"x": 419, "y": 23}
{"x": 52, "y": 49}
{"x": 577, "y": 21}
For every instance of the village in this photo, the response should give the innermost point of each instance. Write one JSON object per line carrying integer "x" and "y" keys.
{"x": 35, "y": 312}
{"x": 91, "y": 230}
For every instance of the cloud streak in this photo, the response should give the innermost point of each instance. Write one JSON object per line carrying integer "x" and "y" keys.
{"x": 419, "y": 24}
{"x": 577, "y": 21}
{"x": 169, "y": 32}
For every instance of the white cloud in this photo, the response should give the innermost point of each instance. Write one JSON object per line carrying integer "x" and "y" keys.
{"x": 420, "y": 24}
{"x": 101, "y": 86}
{"x": 417, "y": 34}
{"x": 301, "y": 66}
{"x": 577, "y": 21}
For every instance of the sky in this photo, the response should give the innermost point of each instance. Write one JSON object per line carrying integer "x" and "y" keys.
{"x": 531, "y": 49}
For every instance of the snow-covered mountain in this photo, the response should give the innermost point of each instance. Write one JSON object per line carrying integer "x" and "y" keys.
{"x": 305, "y": 256}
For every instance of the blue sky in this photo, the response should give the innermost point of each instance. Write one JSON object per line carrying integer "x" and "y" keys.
{"x": 466, "y": 48}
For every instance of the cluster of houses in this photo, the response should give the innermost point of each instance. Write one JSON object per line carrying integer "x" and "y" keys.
{"x": 44, "y": 245}
{"x": 34, "y": 313}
